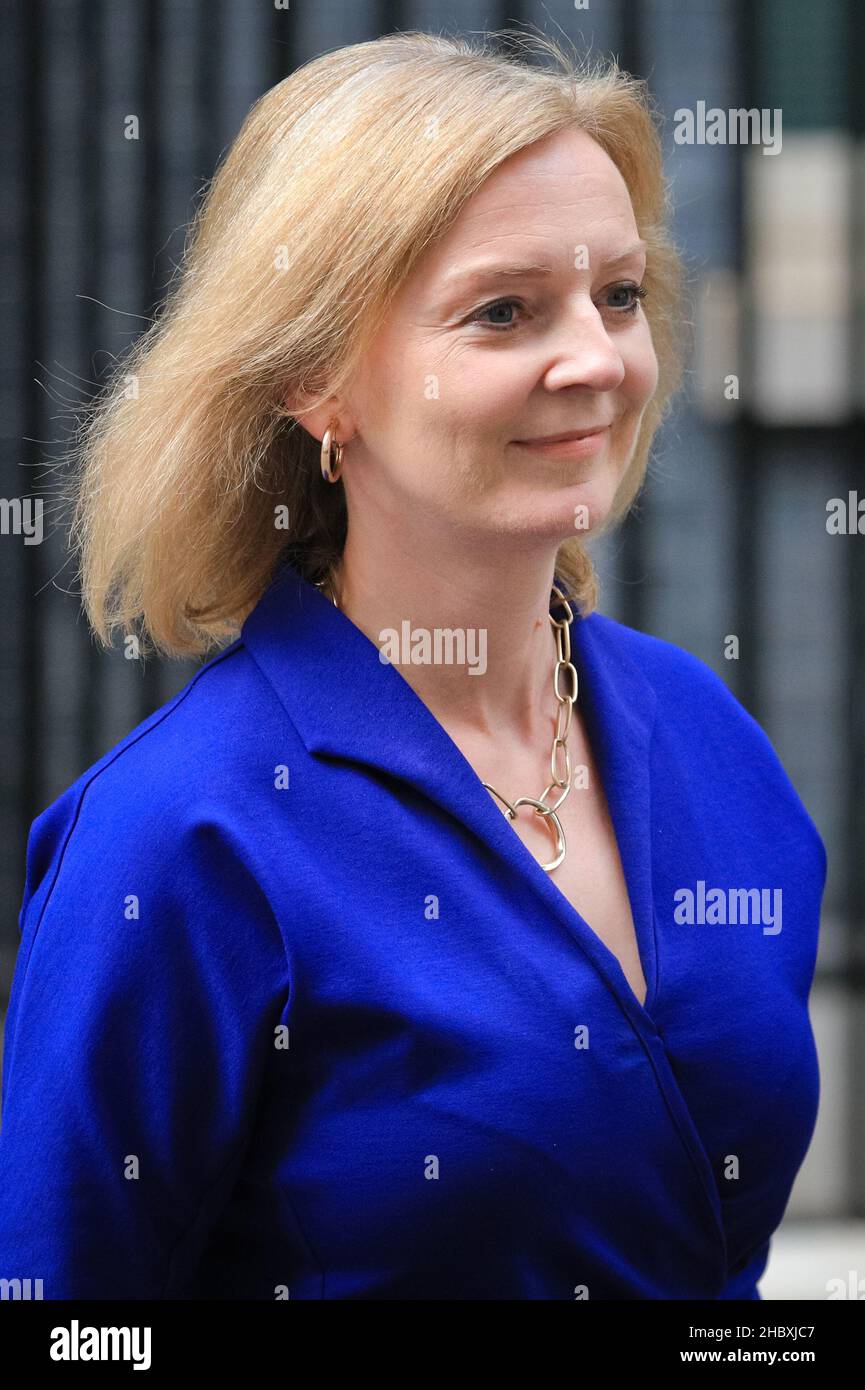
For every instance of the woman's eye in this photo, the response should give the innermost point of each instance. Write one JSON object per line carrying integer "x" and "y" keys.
{"x": 638, "y": 291}
{"x": 497, "y": 305}
{"x": 634, "y": 292}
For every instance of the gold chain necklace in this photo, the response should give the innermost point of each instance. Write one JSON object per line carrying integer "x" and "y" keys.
{"x": 561, "y": 777}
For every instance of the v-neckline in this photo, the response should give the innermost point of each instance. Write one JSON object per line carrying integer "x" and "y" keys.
{"x": 302, "y": 641}
{"x": 633, "y": 836}
{"x": 543, "y": 883}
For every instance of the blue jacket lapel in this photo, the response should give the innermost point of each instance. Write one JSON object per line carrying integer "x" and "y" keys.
{"x": 345, "y": 703}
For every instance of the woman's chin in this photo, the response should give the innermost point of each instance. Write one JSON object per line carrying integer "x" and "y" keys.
{"x": 588, "y": 504}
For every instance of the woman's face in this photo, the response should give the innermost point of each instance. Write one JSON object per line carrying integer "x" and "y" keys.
{"x": 464, "y": 369}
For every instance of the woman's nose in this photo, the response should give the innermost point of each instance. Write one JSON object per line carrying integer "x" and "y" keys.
{"x": 584, "y": 353}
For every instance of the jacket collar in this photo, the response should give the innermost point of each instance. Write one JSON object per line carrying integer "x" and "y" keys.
{"x": 345, "y": 703}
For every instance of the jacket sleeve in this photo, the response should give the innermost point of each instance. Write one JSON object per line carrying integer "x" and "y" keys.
{"x": 150, "y": 984}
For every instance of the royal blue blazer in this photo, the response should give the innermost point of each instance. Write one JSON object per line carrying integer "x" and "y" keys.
{"x": 297, "y": 1014}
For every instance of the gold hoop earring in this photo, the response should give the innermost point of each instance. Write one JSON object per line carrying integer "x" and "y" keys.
{"x": 331, "y": 467}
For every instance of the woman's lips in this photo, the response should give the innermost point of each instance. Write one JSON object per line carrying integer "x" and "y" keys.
{"x": 582, "y": 447}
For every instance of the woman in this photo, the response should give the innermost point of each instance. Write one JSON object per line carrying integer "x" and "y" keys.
{"x": 429, "y": 943}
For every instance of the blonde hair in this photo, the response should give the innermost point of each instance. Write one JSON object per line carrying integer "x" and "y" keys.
{"x": 341, "y": 176}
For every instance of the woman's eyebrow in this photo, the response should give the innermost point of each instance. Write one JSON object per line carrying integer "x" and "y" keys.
{"x": 494, "y": 270}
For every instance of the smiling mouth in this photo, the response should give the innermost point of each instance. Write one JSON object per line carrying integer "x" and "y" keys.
{"x": 568, "y": 438}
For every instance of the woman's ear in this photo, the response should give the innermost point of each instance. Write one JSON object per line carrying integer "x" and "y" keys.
{"x": 316, "y": 419}
{"x": 319, "y": 420}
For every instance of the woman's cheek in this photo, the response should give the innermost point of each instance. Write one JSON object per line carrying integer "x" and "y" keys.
{"x": 645, "y": 366}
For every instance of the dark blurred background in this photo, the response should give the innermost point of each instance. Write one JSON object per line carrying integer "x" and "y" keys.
{"x": 730, "y": 535}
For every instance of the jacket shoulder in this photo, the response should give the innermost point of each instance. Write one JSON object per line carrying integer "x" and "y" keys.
{"x": 698, "y": 712}
{"x": 688, "y": 690}
{"x": 673, "y": 671}
{"x": 164, "y": 779}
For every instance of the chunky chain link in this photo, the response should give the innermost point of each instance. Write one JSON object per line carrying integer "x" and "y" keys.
{"x": 560, "y": 760}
